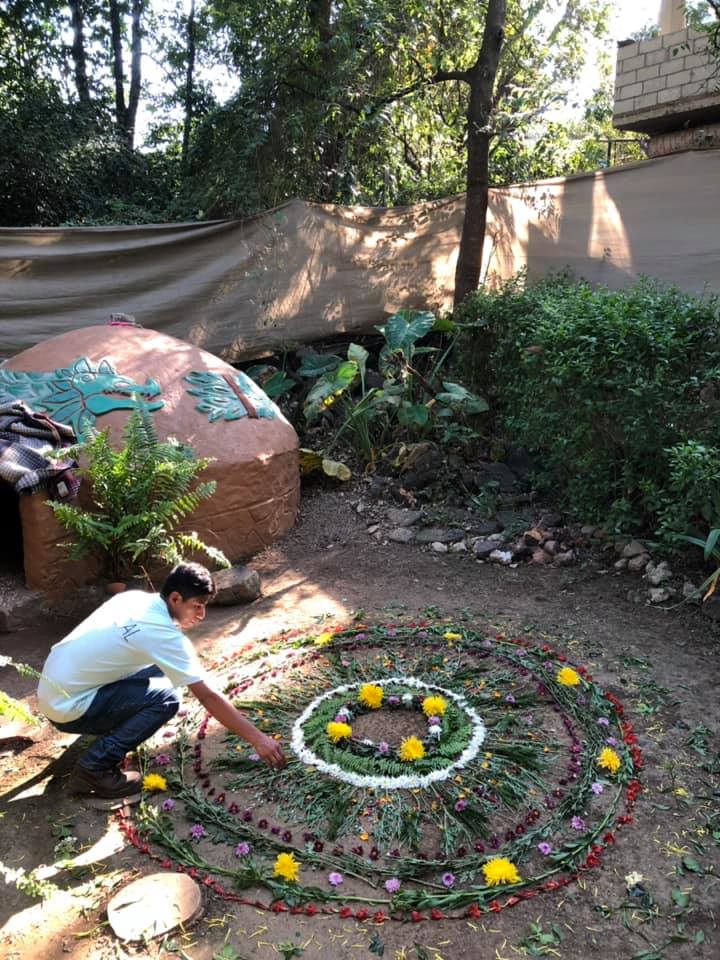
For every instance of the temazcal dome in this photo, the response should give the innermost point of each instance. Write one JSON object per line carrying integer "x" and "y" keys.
{"x": 88, "y": 378}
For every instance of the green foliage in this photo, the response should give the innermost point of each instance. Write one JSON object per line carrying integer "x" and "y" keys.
{"x": 614, "y": 391}
{"x": 141, "y": 494}
{"x": 10, "y": 708}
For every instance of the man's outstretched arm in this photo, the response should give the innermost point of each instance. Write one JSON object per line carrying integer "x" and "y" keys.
{"x": 218, "y": 705}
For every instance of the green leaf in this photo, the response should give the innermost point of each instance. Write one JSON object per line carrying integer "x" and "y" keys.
{"x": 680, "y": 898}
{"x": 376, "y": 945}
{"x": 318, "y": 364}
{"x": 699, "y": 937}
{"x": 456, "y": 396}
{"x": 689, "y": 863}
{"x": 413, "y": 414}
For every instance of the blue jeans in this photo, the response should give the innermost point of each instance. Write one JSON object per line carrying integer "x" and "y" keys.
{"x": 123, "y": 714}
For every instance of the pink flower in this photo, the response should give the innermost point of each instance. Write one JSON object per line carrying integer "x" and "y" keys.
{"x": 335, "y": 878}
{"x": 448, "y": 880}
{"x": 392, "y": 885}
{"x": 162, "y": 760}
{"x": 197, "y": 831}
{"x": 168, "y": 804}
{"x": 545, "y": 848}
{"x": 242, "y": 849}
{"x": 460, "y": 805}
{"x": 597, "y": 788}
{"x": 577, "y": 823}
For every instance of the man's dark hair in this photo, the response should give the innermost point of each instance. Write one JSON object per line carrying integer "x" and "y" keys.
{"x": 189, "y": 580}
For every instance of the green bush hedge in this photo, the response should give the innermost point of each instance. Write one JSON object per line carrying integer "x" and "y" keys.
{"x": 617, "y": 393}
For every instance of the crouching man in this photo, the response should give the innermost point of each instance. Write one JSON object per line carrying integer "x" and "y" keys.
{"x": 117, "y": 675}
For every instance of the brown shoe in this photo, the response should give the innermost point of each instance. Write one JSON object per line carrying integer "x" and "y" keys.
{"x": 107, "y": 784}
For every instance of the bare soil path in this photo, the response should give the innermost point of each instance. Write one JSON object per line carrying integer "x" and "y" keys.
{"x": 664, "y": 665}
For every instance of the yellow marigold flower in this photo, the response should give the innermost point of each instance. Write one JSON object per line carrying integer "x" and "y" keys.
{"x": 434, "y": 706}
{"x": 153, "y": 781}
{"x": 286, "y": 866}
{"x": 411, "y": 749}
{"x": 609, "y": 760}
{"x": 323, "y": 639}
{"x": 500, "y": 870}
{"x": 568, "y": 677}
{"x": 338, "y": 731}
{"x": 449, "y": 635}
{"x": 371, "y": 695}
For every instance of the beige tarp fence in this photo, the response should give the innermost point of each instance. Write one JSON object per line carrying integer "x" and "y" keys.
{"x": 304, "y": 271}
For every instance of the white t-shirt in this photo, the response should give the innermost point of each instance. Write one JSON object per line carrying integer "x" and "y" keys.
{"x": 130, "y": 631}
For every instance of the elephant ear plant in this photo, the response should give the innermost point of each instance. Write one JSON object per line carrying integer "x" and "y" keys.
{"x": 139, "y": 494}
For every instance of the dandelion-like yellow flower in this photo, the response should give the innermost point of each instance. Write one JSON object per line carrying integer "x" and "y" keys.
{"x": 323, "y": 639}
{"x": 338, "y": 731}
{"x": 609, "y": 760}
{"x": 434, "y": 706}
{"x": 500, "y": 870}
{"x": 371, "y": 695}
{"x": 287, "y": 867}
{"x": 153, "y": 781}
{"x": 411, "y": 749}
{"x": 568, "y": 677}
{"x": 449, "y": 635}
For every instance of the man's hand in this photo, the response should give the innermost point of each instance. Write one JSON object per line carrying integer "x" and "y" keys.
{"x": 269, "y": 750}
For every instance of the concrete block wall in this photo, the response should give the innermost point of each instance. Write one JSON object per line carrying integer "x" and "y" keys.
{"x": 654, "y": 78}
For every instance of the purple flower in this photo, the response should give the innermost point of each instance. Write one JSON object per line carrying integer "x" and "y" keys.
{"x": 197, "y": 831}
{"x": 393, "y": 701}
{"x": 486, "y": 644}
{"x": 383, "y": 748}
{"x": 254, "y": 756}
{"x": 392, "y": 885}
{"x": 242, "y": 849}
{"x": 545, "y": 848}
{"x": 287, "y": 836}
{"x": 448, "y": 879}
{"x": 262, "y": 824}
{"x": 603, "y": 721}
{"x": 275, "y": 830}
{"x": 509, "y": 698}
{"x": 162, "y": 760}
{"x": 335, "y": 878}
{"x": 247, "y": 816}
{"x": 360, "y": 637}
{"x": 391, "y": 632}
{"x": 168, "y": 804}
{"x": 577, "y": 823}
{"x": 434, "y": 721}
{"x": 460, "y": 805}
{"x": 597, "y": 788}
{"x": 340, "y": 717}
{"x": 611, "y": 742}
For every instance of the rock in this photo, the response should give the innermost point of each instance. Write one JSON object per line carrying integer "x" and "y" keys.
{"x": 401, "y": 535}
{"x": 587, "y": 530}
{"x": 539, "y": 556}
{"x": 519, "y": 461}
{"x": 4, "y": 622}
{"x": 620, "y": 564}
{"x": 633, "y": 549}
{"x": 516, "y": 520}
{"x": 504, "y": 557}
{"x": 552, "y": 547}
{"x": 521, "y": 550}
{"x": 459, "y": 547}
{"x": 379, "y": 487}
{"x": 438, "y": 547}
{"x": 690, "y": 591}
{"x": 487, "y": 528}
{"x": 403, "y": 518}
{"x": 660, "y": 594}
{"x": 483, "y": 548}
{"x": 635, "y": 596}
{"x": 550, "y": 520}
{"x": 564, "y": 559}
{"x": 638, "y": 564}
{"x": 497, "y": 473}
{"x": 239, "y": 584}
{"x": 711, "y": 607}
{"x": 154, "y": 905}
{"x": 657, "y": 573}
{"x": 373, "y": 528}
{"x": 439, "y": 535}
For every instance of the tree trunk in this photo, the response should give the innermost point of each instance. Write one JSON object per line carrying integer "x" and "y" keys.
{"x": 189, "y": 82}
{"x": 135, "y": 71}
{"x": 118, "y": 68}
{"x": 481, "y": 78}
{"x": 77, "y": 19}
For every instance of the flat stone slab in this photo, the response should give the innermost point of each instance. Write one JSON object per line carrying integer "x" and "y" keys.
{"x": 439, "y": 535}
{"x": 154, "y": 905}
{"x": 403, "y": 518}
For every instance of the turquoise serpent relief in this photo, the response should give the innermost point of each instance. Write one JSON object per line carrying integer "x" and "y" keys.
{"x": 79, "y": 393}
{"x": 230, "y": 396}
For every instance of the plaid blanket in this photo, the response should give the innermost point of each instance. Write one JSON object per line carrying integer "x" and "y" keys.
{"x": 29, "y": 460}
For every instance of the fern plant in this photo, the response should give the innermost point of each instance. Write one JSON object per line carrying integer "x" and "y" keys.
{"x": 140, "y": 494}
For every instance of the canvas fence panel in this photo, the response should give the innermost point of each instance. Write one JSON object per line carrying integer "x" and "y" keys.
{"x": 305, "y": 271}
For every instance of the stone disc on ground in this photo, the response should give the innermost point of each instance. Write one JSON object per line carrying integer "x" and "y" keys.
{"x": 154, "y": 905}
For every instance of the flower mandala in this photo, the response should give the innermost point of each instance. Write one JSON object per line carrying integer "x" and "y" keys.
{"x": 428, "y": 770}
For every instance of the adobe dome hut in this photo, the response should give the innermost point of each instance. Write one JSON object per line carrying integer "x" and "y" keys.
{"x": 88, "y": 378}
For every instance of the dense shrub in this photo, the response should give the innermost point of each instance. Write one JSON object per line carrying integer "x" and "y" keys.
{"x": 616, "y": 392}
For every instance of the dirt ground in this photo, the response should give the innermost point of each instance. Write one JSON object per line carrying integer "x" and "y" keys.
{"x": 664, "y": 665}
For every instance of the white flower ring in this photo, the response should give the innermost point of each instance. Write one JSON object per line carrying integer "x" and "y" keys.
{"x": 405, "y": 781}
